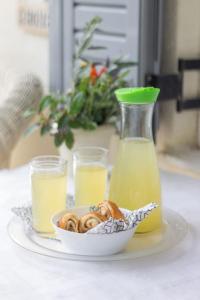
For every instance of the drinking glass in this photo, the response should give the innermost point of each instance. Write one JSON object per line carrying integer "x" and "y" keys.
{"x": 90, "y": 175}
{"x": 49, "y": 190}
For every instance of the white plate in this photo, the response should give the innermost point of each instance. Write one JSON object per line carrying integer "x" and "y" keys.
{"x": 139, "y": 246}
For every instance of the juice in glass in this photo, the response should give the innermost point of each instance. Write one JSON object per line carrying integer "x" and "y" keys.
{"x": 49, "y": 189}
{"x": 90, "y": 184}
{"x": 90, "y": 175}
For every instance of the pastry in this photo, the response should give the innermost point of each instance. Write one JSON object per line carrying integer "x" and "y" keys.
{"x": 110, "y": 209}
{"x": 69, "y": 222}
{"x": 90, "y": 220}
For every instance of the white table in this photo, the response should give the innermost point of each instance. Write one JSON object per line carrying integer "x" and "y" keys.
{"x": 170, "y": 275}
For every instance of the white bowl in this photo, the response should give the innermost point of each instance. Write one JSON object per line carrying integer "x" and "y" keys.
{"x": 90, "y": 244}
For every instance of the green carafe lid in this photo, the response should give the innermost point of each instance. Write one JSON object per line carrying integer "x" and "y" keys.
{"x": 138, "y": 95}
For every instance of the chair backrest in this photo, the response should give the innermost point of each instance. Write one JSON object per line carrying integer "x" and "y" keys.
{"x": 26, "y": 94}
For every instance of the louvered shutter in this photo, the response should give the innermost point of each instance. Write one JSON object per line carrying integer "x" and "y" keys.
{"x": 127, "y": 30}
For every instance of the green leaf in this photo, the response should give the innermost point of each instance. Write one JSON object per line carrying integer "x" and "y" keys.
{"x": 123, "y": 74}
{"x": 69, "y": 139}
{"x": 74, "y": 124}
{"x": 98, "y": 117}
{"x": 92, "y": 24}
{"x": 88, "y": 124}
{"x": 103, "y": 104}
{"x": 77, "y": 104}
{"x": 45, "y": 129}
{"x": 114, "y": 72}
{"x": 58, "y": 139}
{"x": 119, "y": 65}
{"x": 29, "y": 112}
{"x": 89, "y": 30}
{"x": 63, "y": 122}
{"x": 45, "y": 102}
{"x": 31, "y": 129}
{"x": 84, "y": 46}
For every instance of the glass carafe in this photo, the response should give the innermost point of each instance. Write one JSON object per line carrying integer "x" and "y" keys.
{"x": 135, "y": 179}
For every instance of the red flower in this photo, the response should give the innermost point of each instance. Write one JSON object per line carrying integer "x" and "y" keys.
{"x": 93, "y": 73}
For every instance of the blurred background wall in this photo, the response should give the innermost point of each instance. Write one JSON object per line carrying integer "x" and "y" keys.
{"x": 22, "y": 52}
{"x": 181, "y": 39}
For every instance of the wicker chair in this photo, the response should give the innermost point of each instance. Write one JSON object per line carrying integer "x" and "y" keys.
{"x": 26, "y": 94}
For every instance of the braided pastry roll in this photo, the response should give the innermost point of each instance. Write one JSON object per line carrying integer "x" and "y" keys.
{"x": 90, "y": 220}
{"x": 69, "y": 222}
{"x": 110, "y": 209}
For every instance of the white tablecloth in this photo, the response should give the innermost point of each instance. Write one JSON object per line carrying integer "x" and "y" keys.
{"x": 173, "y": 275}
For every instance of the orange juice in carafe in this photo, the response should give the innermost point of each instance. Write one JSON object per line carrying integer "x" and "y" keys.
{"x": 135, "y": 179}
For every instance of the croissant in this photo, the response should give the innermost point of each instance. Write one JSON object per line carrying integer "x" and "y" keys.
{"x": 90, "y": 220}
{"x": 69, "y": 222}
{"x": 110, "y": 209}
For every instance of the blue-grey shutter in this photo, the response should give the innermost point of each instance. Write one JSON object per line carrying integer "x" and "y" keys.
{"x": 118, "y": 32}
{"x": 127, "y": 30}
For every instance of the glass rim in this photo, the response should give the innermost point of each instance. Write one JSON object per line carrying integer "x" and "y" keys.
{"x": 41, "y": 160}
{"x": 104, "y": 150}
{"x": 100, "y": 154}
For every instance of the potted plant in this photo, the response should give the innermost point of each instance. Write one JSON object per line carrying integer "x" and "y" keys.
{"x": 86, "y": 113}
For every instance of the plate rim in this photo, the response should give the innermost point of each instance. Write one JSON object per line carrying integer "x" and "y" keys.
{"x": 44, "y": 251}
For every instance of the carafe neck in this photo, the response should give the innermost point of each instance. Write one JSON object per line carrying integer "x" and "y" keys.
{"x": 136, "y": 120}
